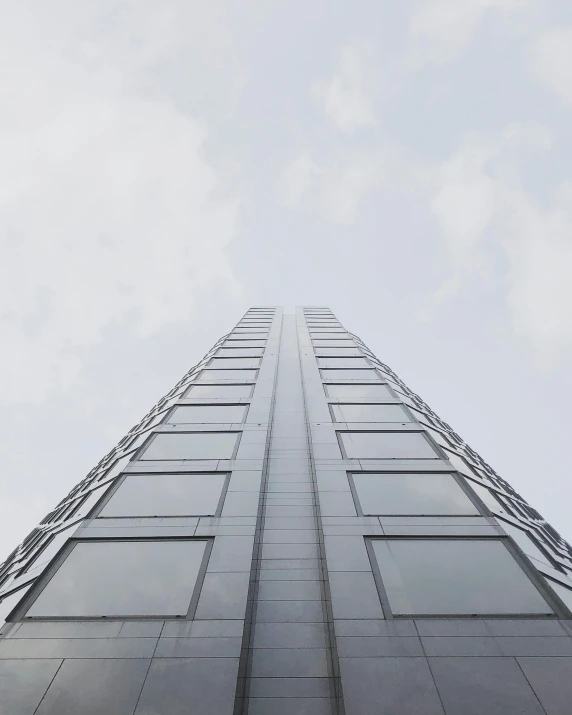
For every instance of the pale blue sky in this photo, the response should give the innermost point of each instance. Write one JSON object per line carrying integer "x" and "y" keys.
{"x": 166, "y": 164}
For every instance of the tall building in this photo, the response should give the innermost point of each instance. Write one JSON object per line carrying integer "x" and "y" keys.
{"x": 291, "y": 530}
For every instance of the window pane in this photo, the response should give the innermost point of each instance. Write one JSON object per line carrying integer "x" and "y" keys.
{"x": 234, "y": 363}
{"x": 343, "y": 362}
{"x": 244, "y": 343}
{"x": 123, "y": 578}
{"x": 192, "y": 445}
{"x": 241, "y": 352}
{"x": 525, "y": 542}
{"x": 412, "y": 494}
{"x": 333, "y": 343}
{"x": 339, "y": 352}
{"x": 455, "y": 577}
{"x": 367, "y": 390}
{"x": 166, "y": 495}
{"x": 564, "y": 593}
{"x": 387, "y": 445}
{"x": 216, "y": 375}
{"x": 333, "y": 374}
{"x": 224, "y": 391}
{"x": 322, "y": 334}
{"x": 250, "y": 334}
{"x": 370, "y": 413}
{"x": 207, "y": 413}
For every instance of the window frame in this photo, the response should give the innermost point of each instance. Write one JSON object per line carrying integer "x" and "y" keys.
{"x": 481, "y": 512}
{"x": 18, "y": 614}
{"x": 229, "y": 380}
{"x": 553, "y": 601}
{"x": 95, "y": 513}
{"x": 372, "y": 368}
{"x": 250, "y": 384}
{"x": 340, "y": 404}
{"x": 139, "y": 453}
{"x": 210, "y": 366}
{"x": 340, "y": 430}
{"x": 175, "y": 407}
{"x": 357, "y": 384}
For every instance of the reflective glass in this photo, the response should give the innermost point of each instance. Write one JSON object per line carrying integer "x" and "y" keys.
{"x": 166, "y": 495}
{"x": 216, "y": 375}
{"x": 333, "y": 374}
{"x": 367, "y": 390}
{"x": 244, "y": 343}
{"x": 455, "y": 577}
{"x": 123, "y": 578}
{"x": 333, "y": 343}
{"x": 525, "y": 542}
{"x": 412, "y": 494}
{"x": 191, "y": 445}
{"x": 222, "y": 391}
{"x": 387, "y": 445}
{"x": 370, "y": 413}
{"x": 564, "y": 593}
{"x": 241, "y": 352}
{"x": 234, "y": 363}
{"x": 338, "y": 352}
{"x": 323, "y": 334}
{"x": 250, "y": 334}
{"x": 207, "y": 413}
{"x": 343, "y": 362}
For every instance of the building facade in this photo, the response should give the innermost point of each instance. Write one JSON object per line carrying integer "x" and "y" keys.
{"x": 291, "y": 530}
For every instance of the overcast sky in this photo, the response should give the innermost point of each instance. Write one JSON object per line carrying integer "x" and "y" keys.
{"x": 165, "y": 164}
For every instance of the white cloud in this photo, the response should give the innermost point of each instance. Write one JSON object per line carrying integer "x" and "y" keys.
{"x": 109, "y": 210}
{"x": 486, "y": 215}
{"x": 333, "y": 190}
{"x": 549, "y": 58}
{"x": 442, "y": 30}
{"x": 347, "y": 97}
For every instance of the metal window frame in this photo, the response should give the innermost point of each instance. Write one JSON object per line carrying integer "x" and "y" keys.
{"x": 146, "y": 445}
{"x": 558, "y": 607}
{"x": 19, "y": 613}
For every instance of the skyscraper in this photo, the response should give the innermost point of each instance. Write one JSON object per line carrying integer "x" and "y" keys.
{"x": 290, "y": 530}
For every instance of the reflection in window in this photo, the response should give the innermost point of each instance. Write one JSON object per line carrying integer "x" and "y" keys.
{"x": 333, "y": 374}
{"x": 338, "y": 352}
{"x": 370, "y": 413}
{"x": 244, "y": 344}
{"x": 166, "y": 495}
{"x": 234, "y": 363}
{"x": 191, "y": 445}
{"x": 333, "y": 343}
{"x": 349, "y": 361}
{"x": 525, "y": 542}
{"x": 455, "y": 577}
{"x": 123, "y": 578}
{"x": 217, "y": 375}
{"x": 241, "y": 352}
{"x": 367, "y": 390}
{"x": 387, "y": 445}
{"x": 412, "y": 494}
{"x": 207, "y": 413}
{"x": 222, "y": 391}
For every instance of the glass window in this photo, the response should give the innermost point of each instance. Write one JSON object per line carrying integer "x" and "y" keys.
{"x": 387, "y": 445}
{"x": 343, "y": 362}
{"x": 234, "y": 363}
{"x": 333, "y": 343}
{"x": 455, "y": 577}
{"x": 166, "y": 495}
{"x": 525, "y": 542}
{"x": 249, "y": 334}
{"x": 188, "y": 414}
{"x": 405, "y": 494}
{"x": 244, "y": 343}
{"x": 564, "y": 593}
{"x": 366, "y": 390}
{"x": 191, "y": 445}
{"x": 224, "y": 391}
{"x": 338, "y": 352}
{"x": 123, "y": 578}
{"x": 216, "y": 375}
{"x": 333, "y": 374}
{"x": 320, "y": 334}
{"x": 370, "y": 413}
{"x": 241, "y": 352}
